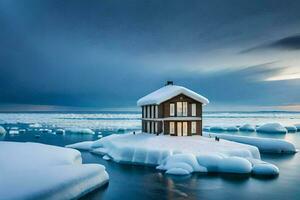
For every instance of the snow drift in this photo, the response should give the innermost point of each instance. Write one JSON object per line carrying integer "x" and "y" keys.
{"x": 248, "y": 128}
{"x": 178, "y": 155}
{"x": 267, "y": 145}
{"x": 49, "y": 172}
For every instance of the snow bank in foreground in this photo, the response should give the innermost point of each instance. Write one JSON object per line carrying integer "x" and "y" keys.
{"x": 179, "y": 155}
{"x": 248, "y": 128}
{"x": 271, "y": 128}
{"x": 49, "y": 172}
{"x": 77, "y": 130}
{"x": 2, "y": 130}
{"x": 268, "y": 145}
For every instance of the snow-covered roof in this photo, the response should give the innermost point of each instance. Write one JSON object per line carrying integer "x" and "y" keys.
{"x": 167, "y": 92}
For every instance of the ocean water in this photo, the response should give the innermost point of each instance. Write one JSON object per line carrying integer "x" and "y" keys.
{"x": 139, "y": 182}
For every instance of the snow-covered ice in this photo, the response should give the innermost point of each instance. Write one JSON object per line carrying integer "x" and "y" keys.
{"x": 14, "y": 131}
{"x": 49, "y": 172}
{"x": 268, "y": 145}
{"x": 247, "y": 127}
{"x": 77, "y": 130}
{"x": 271, "y": 128}
{"x": 177, "y": 155}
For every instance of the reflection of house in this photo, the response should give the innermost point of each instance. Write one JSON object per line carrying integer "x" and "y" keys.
{"x": 173, "y": 110}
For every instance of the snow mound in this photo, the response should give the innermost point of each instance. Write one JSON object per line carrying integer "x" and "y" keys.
{"x": 77, "y": 130}
{"x": 86, "y": 145}
{"x": 266, "y": 145}
{"x": 206, "y": 128}
{"x": 176, "y": 155}
{"x": 2, "y": 130}
{"x": 232, "y": 129}
{"x": 291, "y": 129}
{"x": 217, "y": 129}
{"x": 272, "y": 128}
{"x": 247, "y": 128}
{"x": 52, "y": 173}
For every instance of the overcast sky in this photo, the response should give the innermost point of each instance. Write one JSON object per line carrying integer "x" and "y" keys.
{"x": 107, "y": 54}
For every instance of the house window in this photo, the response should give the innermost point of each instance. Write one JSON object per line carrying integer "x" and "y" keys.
{"x": 148, "y": 111}
{"x": 184, "y": 109}
{"x": 152, "y": 111}
{"x": 179, "y": 128}
{"x": 152, "y": 127}
{"x": 156, "y": 111}
{"x": 179, "y": 109}
{"x": 172, "y": 109}
{"x": 194, "y": 110}
{"x": 172, "y": 128}
{"x": 148, "y": 127}
{"x": 194, "y": 127}
{"x": 184, "y": 128}
{"x": 144, "y": 111}
{"x": 156, "y": 127}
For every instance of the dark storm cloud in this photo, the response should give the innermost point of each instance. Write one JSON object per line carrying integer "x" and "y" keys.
{"x": 287, "y": 43}
{"x": 109, "y": 53}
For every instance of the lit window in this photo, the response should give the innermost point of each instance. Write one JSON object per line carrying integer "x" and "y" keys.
{"x": 172, "y": 128}
{"x": 148, "y": 111}
{"x": 194, "y": 110}
{"x": 194, "y": 128}
{"x": 172, "y": 109}
{"x": 184, "y": 109}
{"x": 152, "y": 111}
{"x": 179, "y": 109}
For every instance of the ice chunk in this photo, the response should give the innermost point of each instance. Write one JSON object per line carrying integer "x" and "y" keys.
{"x": 177, "y": 171}
{"x": 235, "y": 165}
{"x": 267, "y": 145}
{"x": 52, "y": 173}
{"x": 272, "y": 128}
{"x": 291, "y": 129}
{"x": 2, "y": 130}
{"x": 217, "y": 129}
{"x": 247, "y": 127}
{"x": 35, "y": 125}
{"x": 298, "y": 127}
{"x": 232, "y": 129}
{"x": 14, "y": 131}
{"x": 77, "y": 130}
{"x": 60, "y": 131}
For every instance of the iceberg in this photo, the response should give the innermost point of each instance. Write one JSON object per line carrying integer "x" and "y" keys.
{"x": 176, "y": 155}
{"x": 272, "y": 128}
{"x": 266, "y": 145}
{"x": 14, "y": 131}
{"x": 247, "y": 128}
{"x": 77, "y": 130}
{"x": 52, "y": 173}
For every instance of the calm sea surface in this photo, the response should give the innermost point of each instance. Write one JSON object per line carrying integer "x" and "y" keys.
{"x": 138, "y": 182}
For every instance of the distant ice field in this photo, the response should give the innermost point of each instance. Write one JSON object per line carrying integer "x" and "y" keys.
{"x": 131, "y": 121}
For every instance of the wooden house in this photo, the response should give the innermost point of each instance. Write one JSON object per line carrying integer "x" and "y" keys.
{"x": 173, "y": 110}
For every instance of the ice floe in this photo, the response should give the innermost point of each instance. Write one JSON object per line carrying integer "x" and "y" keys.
{"x": 298, "y": 127}
{"x": 271, "y": 128}
{"x": 179, "y": 155}
{"x": 14, "y": 131}
{"x": 77, "y": 130}
{"x": 267, "y": 145}
{"x": 49, "y": 172}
